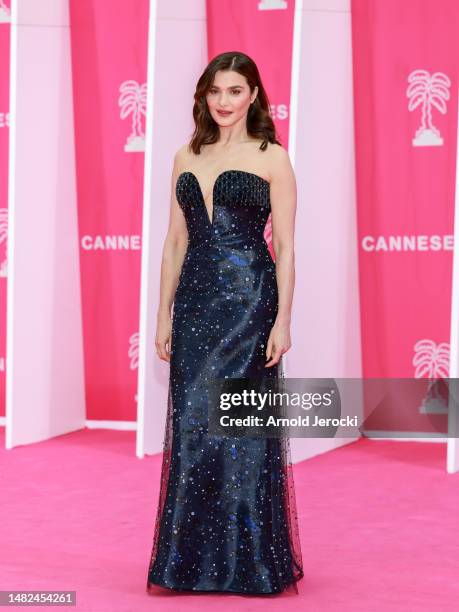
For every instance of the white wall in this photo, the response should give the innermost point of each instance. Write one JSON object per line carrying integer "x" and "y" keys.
{"x": 177, "y": 55}
{"x": 44, "y": 354}
{"x": 325, "y": 317}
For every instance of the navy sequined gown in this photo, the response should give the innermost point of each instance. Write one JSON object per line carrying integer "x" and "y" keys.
{"x": 226, "y": 518}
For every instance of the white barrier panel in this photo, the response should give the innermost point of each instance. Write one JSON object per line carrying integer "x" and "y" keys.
{"x": 452, "y": 462}
{"x": 325, "y": 314}
{"x": 177, "y": 32}
{"x": 44, "y": 354}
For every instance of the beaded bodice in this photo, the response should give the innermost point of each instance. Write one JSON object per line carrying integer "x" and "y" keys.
{"x": 240, "y": 208}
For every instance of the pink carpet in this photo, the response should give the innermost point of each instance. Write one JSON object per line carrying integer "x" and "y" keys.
{"x": 379, "y": 524}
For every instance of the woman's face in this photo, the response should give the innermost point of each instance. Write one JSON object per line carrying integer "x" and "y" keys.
{"x": 229, "y": 97}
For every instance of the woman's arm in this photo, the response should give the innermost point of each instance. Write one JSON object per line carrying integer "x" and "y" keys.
{"x": 174, "y": 249}
{"x": 283, "y": 211}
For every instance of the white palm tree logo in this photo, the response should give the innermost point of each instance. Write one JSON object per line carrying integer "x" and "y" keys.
{"x": 431, "y": 360}
{"x": 3, "y": 239}
{"x": 5, "y": 14}
{"x": 428, "y": 90}
{"x": 133, "y": 353}
{"x": 271, "y": 5}
{"x": 268, "y": 233}
{"x": 133, "y": 100}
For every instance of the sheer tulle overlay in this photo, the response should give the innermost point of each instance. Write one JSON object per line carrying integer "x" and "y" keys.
{"x": 226, "y": 518}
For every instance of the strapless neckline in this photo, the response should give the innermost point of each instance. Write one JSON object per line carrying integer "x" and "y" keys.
{"x": 219, "y": 176}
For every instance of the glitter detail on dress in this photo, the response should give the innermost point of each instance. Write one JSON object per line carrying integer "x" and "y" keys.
{"x": 226, "y": 518}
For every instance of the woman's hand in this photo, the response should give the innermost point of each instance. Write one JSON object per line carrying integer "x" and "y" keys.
{"x": 278, "y": 342}
{"x": 163, "y": 339}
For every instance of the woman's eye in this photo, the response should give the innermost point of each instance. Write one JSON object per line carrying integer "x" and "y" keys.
{"x": 235, "y": 91}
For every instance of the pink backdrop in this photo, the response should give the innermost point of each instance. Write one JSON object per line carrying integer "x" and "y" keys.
{"x": 4, "y": 139}
{"x": 405, "y": 80}
{"x": 405, "y": 83}
{"x": 263, "y": 29}
{"x": 109, "y": 61}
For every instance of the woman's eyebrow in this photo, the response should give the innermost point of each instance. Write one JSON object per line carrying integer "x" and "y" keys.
{"x": 230, "y": 87}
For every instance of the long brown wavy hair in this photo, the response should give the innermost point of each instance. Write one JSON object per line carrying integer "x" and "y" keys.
{"x": 259, "y": 121}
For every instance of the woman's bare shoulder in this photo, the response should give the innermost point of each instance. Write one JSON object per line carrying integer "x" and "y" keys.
{"x": 183, "y": 154}
{"x": 276, "y": 151}
{"x": 278, "y": 159}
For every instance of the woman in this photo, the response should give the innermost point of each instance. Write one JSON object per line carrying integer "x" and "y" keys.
{"x": 226, "y": 519}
